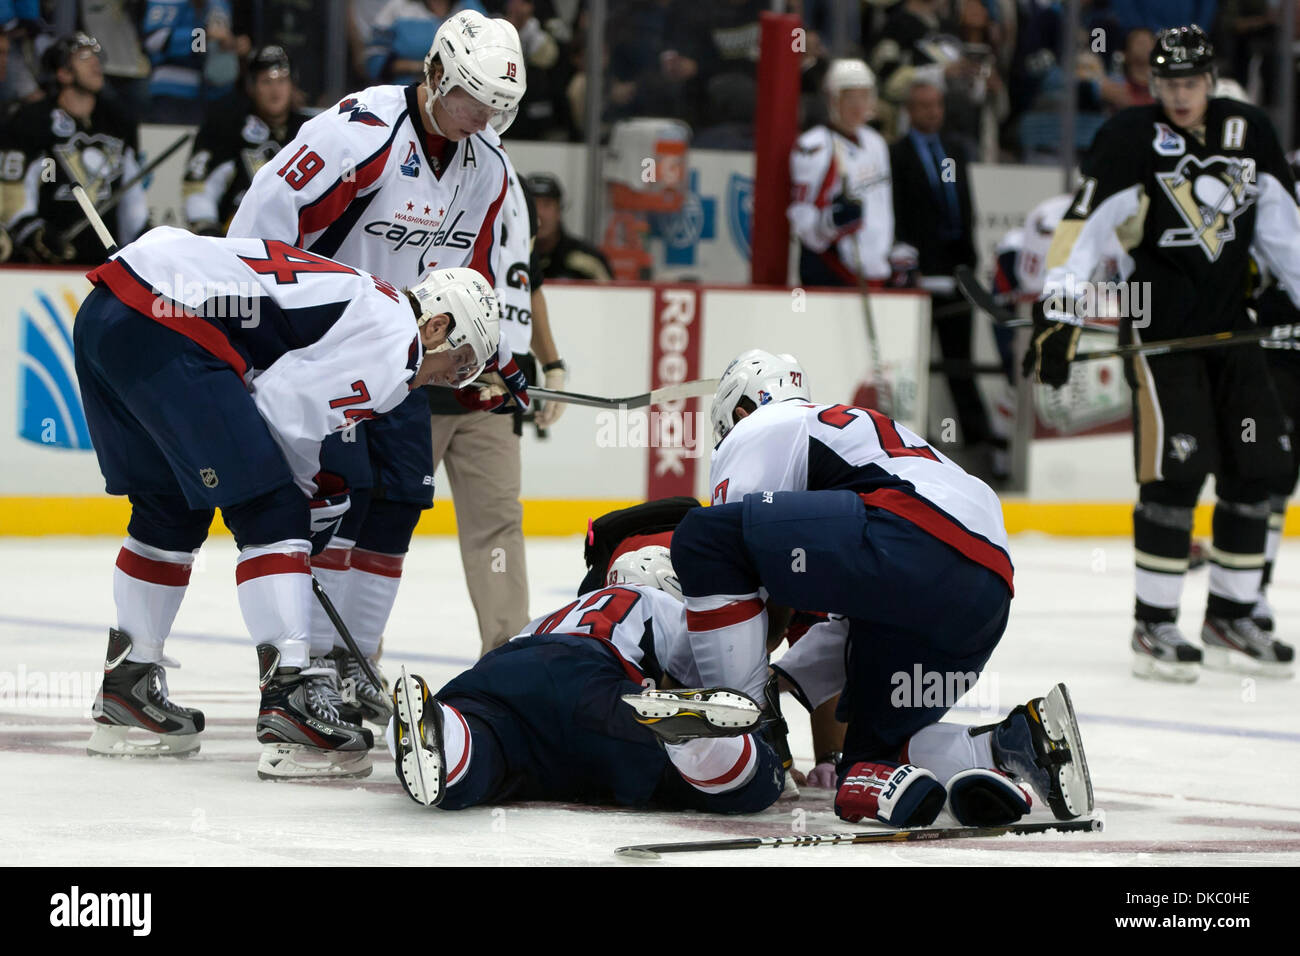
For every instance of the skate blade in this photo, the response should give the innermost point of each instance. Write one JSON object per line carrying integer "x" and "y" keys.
{"x": 1176, "y": 672}
{"x": 1235, "y": 662}
{"x": 110, "y": 740}
{"x": 721, "y": 709}
{"x": 298, "y": 762}
{"x": 419, "y": 767}
{"x": 1062, "y": 726}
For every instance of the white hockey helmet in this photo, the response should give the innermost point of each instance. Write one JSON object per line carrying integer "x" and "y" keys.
{"x": 848, "y": 74}
{"x": 475, "y": 314}
{"x": 483, "y": 56}
{"x": 651, "y": 566}
{"x": 760, "y": 377}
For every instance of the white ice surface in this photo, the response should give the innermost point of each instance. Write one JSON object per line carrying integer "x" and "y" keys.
{"x": 1187, "y": 775}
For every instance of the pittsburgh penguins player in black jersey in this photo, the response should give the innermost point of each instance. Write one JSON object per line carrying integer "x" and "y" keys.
{"x": 239, "y": 137}
{"x": 1189, "y": 184}
{"x": 73, "y": 134}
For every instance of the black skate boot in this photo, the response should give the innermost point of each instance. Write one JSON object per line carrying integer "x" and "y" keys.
{"x": 325, "y": 672}
{"x": 1243, "y": 646}
{"x": 302, "y": 734}
{"x": 369, "y": 700}
{"x": 416, "y": 741}
{"x": 1160, "y": 652}
{"x": 1039, "y": 743}
{"x": 678, "y": 715}
{"x": 135, "y": 695}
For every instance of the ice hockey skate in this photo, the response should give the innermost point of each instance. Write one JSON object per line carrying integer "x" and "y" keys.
{"x": 370, "y": 700}
{"x": 415, "y": 738}
{"x": 1244, "y": 647}
{"x": 1039, "y": 743}
{"x": 687, "y": 714}
{"x": 299, "y": 726}
{"x": 1160, "y": 652}
{"x": 134, "y": 695}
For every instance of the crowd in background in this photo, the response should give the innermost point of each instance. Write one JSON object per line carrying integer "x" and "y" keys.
{"x": 1000, "y": 60}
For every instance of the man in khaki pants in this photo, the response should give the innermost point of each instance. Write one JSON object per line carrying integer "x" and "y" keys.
{"x": 480, "y": 450}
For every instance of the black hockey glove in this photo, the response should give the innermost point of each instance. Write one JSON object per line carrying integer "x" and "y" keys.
{"x": 45, "y": 248}
{"x": 845, "y": 211}
{"x": 1051, "y": 350}
{"x": 328, "y": 507}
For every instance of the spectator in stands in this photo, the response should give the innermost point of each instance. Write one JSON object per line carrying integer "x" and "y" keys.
{"x": 20, "y": 21}
{"x": 403, "y": 34}
{"x": 1132, "y": 85}
{"x": 635, "y": 82}
{"x": 1158, "y": 14}
{"x": 560, "y": 255}
{"x": 541, "y": 113}
{"x": 194, "y": 54}
{"x": 712, "y": 52}
{"x": 933, "y": 212}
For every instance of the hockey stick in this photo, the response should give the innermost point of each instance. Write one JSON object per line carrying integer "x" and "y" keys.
{"x": 332, "y": 613}
{"x": 669, "y": 393}
{"x": 111, "y": 203}
{"x": 986, "y": 301}
{"x": 651, "y": 851}
{"x": 93, "y": 219}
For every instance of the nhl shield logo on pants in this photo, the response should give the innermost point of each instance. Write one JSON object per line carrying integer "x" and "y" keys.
{"x": 209, "y": 477}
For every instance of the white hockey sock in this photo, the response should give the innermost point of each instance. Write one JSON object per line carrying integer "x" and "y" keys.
{"x": 457, "y": 744}
{"x": 148, "y": 585}
{"x": 371, "y": 594}
{"x": 274, "y": 584}
{"x": 728, "y": 636}
{"x": 715, "y": 764}
{"x": 947, "y": 749}
{"x": 331, "y": 569}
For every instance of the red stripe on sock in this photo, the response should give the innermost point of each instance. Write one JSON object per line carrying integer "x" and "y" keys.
{"x": 264, "y": 564}
{"x": 731, "y": 774}
{"x": 333, "y": 559}
{"x": 154, "y": 572}
{"x": 735, "y": 613}
{"x": 372, "y": 562}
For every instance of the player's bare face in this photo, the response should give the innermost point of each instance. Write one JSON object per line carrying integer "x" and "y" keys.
{"x": 87, "y": 71}
{"x": 464, "y": 116}
{"x": 452, "y": 367}
{"x": 856, "y": 107}
{"x": 1185, "y": 98}
{"x": 271, "y": 92}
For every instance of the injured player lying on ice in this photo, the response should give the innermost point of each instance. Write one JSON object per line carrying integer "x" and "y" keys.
{"x": 211, "y": 370}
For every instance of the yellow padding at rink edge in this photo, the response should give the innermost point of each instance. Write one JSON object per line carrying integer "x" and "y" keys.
{"x": 29, "y": 516}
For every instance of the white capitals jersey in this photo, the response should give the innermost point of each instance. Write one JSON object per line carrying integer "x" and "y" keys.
{"x": 363, "y": 183}
{"x": 799, "y": 446}
{"x": 643, "y": 626}
{"x": 321, "y": 345}
{"x": 1031, "y": 244}
{"x": 824, "y": 165}
{"x": 514, "y": 281}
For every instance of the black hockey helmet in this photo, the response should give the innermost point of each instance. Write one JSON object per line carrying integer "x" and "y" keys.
{"x": 59, "y": 53}
{"x": 1182, "y": 51}
{"x": 545, "y": 186}
{"x": 264, "y": 58}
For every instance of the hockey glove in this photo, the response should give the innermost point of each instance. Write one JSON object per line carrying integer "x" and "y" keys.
{"x": 1051, "y": 349}
{"x": 843, "y": 213}
{"x": 502, "y": 396}
{"x": 549, "y": 412}
{"x": 900, "y": 795}
{"x": 328, "y": 507}
{"x": 44, "y": 248}
{"x": 986, "y": 798}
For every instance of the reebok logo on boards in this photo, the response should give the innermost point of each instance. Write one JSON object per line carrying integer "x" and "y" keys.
{"x": 76, "y": 909}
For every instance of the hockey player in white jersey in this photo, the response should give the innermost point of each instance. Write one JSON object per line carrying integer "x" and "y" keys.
{"x": 842, "y": 510}
{"x": 398, "y": 180}
{"x": 211, "y": 370}
{"x": 842, "y": 207}
{"x": 571, "y": 709}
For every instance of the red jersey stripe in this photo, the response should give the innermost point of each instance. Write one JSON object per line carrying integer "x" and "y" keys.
{"x": 265, "y": 564}
{"x": 333, "y": 559}
{"x": 151, "y": 571}
{"x": 464, "y": 757}
{"x": 136, "y": 294}
{"x": 731, "y": 774}
{"x": 939, "y": 525}
{"x": 736, "y": 612}
{"x": 319, "y": 214}
{"x": 482, "y": 259}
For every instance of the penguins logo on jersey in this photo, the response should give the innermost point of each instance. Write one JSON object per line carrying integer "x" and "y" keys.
{"x": 95, "y": 162}
{"x": 254, "y": 158}
{"x": 1209, "y": 194}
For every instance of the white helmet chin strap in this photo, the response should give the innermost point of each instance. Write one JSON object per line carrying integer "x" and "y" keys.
{"x": 430, "y": 93}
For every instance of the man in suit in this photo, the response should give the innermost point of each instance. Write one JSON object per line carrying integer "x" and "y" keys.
{"x": 933, "y": 213}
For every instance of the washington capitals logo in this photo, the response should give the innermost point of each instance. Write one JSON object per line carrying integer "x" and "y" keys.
{"x": 359, "y": 112}
{"x": 411, "y": 165}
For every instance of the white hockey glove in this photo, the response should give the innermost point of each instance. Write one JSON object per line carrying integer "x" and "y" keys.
{"x": 550, "y": 412}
